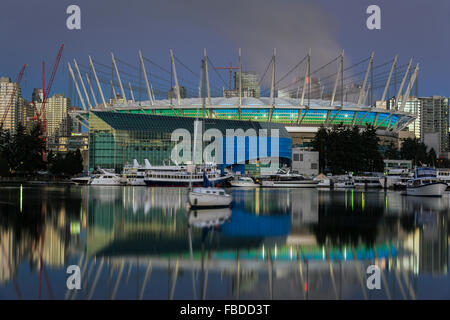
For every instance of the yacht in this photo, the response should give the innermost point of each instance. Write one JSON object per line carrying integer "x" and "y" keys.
{"x": 345, "y": 182}
{"x": 444, "y": 176}
{"x": 324, "y": 181}
{"x": 106, "y": 178}
{"x": 81, "y": 180}
{"x": 425, "y": 183}
{"x": 286, "y": 179}
{"x": 180, "y": 176}
{"x": 348, "y": 184}
{"x": 243, "y": 182}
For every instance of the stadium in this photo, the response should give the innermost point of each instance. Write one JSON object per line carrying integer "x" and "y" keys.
{"x": 301, "y": 100}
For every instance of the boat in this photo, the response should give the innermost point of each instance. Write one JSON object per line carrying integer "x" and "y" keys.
{"x": 134, "y": 175}
{"x": 106, "y": 178}
{"x": 180, "y": 176}
{"x": 81, "y": 180}
{"x": 444, "y": 176}
{"x": 324, "y": 181}
{"x": 209, "y": 197}
{"x": 425, "y": 183}
{"x": 348, "y": 182}
{"x": 241, "y": 181}
{"x": 286, "y": 179}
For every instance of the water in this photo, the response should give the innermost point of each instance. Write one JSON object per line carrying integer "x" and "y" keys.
{"x": 141, "y": 243}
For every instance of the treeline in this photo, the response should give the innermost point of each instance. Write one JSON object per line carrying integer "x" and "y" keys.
{"x": 23, "y": 153}
{"x": 416, "y": 151}
{"x": 348, "y": 149}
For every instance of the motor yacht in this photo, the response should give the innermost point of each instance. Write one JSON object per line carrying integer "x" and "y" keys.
{"x": 425, "y": 183}
{"x": 241, "y": 181}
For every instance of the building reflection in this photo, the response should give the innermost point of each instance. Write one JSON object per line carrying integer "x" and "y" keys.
{"x": 298, "y": 243}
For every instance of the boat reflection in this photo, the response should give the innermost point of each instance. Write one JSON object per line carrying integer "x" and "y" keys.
{"x": 281, "y": 244}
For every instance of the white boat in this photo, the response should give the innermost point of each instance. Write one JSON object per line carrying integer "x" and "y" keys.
{"x": 180, "y": 176}
{"x": 347, "y": 183}
{"x": 83, "y": 180}
{"x": 134, "y": 175}
{"x": 444, "y": 176}
{"x": 105, "y": 178}
{"x": 425, "y": 183}
{"x": 207, "y": 218}
{"x": 243, "y": 182}
{"x": 324, "y": 181}
{"x": 209, "y": 198}
{"x": 285, "y": 179}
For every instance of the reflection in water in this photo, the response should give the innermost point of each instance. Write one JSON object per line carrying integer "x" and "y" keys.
{"x": 137, "y": 242}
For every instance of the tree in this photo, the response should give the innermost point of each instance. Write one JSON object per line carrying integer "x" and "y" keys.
{"x": 432, "y": 158}
{"x": 344, "y": 149}
{"x": 391, "y": 152}
{"x": 413, "y": 149}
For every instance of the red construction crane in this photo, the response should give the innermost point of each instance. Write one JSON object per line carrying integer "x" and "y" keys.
{"x": 40, "y": 114}
{"x": 231, "y": 68}
{"x": 13, "y": 95}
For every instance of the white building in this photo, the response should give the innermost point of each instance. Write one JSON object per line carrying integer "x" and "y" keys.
{"x": 17, "y": 110}
{"x": 305, "y": 162}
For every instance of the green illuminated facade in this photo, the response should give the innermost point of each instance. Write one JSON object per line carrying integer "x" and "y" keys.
{"x": 117, "y": 138}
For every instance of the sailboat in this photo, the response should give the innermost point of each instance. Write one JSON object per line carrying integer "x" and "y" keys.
{"x": 208, "y": 196}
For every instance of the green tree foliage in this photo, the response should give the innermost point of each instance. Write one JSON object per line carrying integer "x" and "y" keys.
{"x": 343, "y": 149}
{"x": 22, "y": 152}
{"x": 68, "y": 164}
{"x": 413, "y": 149}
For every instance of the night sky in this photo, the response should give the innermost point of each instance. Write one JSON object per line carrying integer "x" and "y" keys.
{"x": 32, "y": 31}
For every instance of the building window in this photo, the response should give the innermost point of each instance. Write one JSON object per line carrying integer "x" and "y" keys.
{"x": 314, "y": 166}
{"x": 296, "y": 157}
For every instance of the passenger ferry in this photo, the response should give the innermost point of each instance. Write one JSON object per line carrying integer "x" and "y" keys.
{"x": 425, "y": 183}
{"x": 134, "y": 175}
{"x": 180, "y": 176}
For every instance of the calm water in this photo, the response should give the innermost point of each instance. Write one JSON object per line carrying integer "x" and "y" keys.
{"x": 142, "y": 243}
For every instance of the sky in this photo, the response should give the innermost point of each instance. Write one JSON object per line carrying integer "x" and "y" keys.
{"x": 32, "y": 31}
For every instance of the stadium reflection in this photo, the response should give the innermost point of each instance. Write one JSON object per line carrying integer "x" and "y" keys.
{"x": 143, "y": 243}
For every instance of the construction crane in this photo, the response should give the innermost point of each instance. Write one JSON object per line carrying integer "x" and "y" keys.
{"x": 231, "y": 68}
{"x": 40, "y": 114}
{"x": 13, "y": 96}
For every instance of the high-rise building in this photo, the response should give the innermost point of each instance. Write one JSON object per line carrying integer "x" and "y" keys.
{"x": 434, "y": 122}
{"x": 56, "y": 116}
{"x": 413, "y": 106}
{"x": 15, "y": 110}
{"x": 250, "y": 84}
